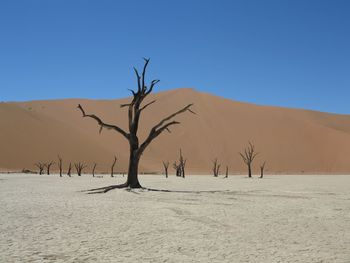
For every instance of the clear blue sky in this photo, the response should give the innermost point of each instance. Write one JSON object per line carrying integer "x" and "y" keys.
{"x": 288, "y": 53}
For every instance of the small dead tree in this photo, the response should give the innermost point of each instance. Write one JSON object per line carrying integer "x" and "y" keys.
{"x": 248, "y": 157}
{"x": 182, "y": 164}
{"x": 79, "y": 168}
{"x": 262, "y": 168}
{"x": 48, "y": 167}
{"x": 41, "y": 167}
{"x": 135, "y": 110}
{"x": 93, "y": 170}
{"x": 69, "y": 170}
{"x": 216, "y": 168}
{"x": 60, "y": 165}
{"x": 177, "y": 168}
{"x": 166, "y": 166}
{"x": 113, "y": 164}
{"x": 226, "y": 176}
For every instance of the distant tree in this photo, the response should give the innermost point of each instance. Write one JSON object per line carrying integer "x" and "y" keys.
{"x": 93, "y": 169}
{"x": 166, "y": 166}
{"x": 135, "y": 109}
{"x": 79, "y": 168}
{"x": 41, "y": 167}
{"x": 180, "y": 167}
{"x": 182, "y": 164}
{"x": 216, "y": 168}
{"x": 60, "y": 165}
{"x": 113, "y": 164}
{"x": 248, "y": 157}
{"x": 226, "y": 174}
{"x": 48, "y": 167}
{"x": 177, "y": 168}
{"x": 69, "y": 170}
{"x": 262, "y": 168}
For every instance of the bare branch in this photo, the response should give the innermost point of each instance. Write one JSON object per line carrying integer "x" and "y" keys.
{"x": 144, "y": 107}
{"x": 138, "y": 79}
{"x": 143, "y": 73}
{"x": 102, "y": 124}
{"x": 133, "y": 92}
{"x": 125, "y": 105}
{"x": 161, "y": 126}
{"x": 153, "y": 83}
{"x": 187, "y": 108}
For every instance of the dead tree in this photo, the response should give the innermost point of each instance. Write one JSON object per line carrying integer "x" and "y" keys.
{"x": 182, "y": 163}
{"x": 69, "y": 170}
{"x": 262, "y": 168}
{"x": 226, "y": 176}
{"x": 135, "y": 110}
{"x": 60, "y": 165}
{"x": 177, "y": 168}
{"x": 166, "y": 166}
{"x": 93, "y": 170}
{"x": 79, "y": 168}
{"x": 248, "y": 157}
{"x": 112, "y": 168}
{"x": 48, "y": 167}
{"x": 216, "y": 168}
{"x": 41, "y": 167}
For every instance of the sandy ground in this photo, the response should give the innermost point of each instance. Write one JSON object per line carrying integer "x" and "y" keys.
{"x": 277, "y": 219}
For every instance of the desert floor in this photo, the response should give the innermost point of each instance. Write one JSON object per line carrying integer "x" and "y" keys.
{"x": 277, "y": 219}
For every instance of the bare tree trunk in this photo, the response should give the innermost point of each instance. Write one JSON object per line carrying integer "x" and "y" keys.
{"x": 60, "y": 165}
{"x": 132, "y": 180}
{"x": 249, "y": 171}
{"x": 79, "y": 168}
{"x": 216, "y": 168}
{"x": 41, "y": 167}
{"x": 262, "y": 167}
{"x": 48, "y": 166}
{"x": 112, "y": 168}
{"x": 166, "y": 166}
{"x": 69, "y": 170}
{"x": 178, "y": 169}
{"x": 226, "y": 176}
{"x": 93, "y": 170}
{"x": 182, "y": 165}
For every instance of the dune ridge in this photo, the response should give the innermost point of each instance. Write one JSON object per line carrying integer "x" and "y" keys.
{"x": 290, "y": 140}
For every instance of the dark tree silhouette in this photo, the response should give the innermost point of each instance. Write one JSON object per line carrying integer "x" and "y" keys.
{"x": 248, "y": 157}
{"x": 182, "y": 164}
{"x": 177, "y": 168}
{"x": 135, "y": 109}
{"x": 262, "y": 168}
{"x": 113, "y": 164}
{"x": 226, "y": 175}
{"x": 79, "y": 168}
{"x": 41, "y": 167}
{"x": 48, "y": 167}
{"x": 60, "y": 165}
{"x": 166, "y": 166}
{"x": 93, "y": 170}
{"x": 216, "y": 168}
{"x": 69, "y": 170}
{"x": 180, "y": 167}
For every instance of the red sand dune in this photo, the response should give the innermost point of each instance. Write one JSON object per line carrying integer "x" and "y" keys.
{"x": 290, "y": 140}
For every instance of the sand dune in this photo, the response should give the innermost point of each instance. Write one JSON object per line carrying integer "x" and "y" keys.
{"x": 290, "y": 140}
